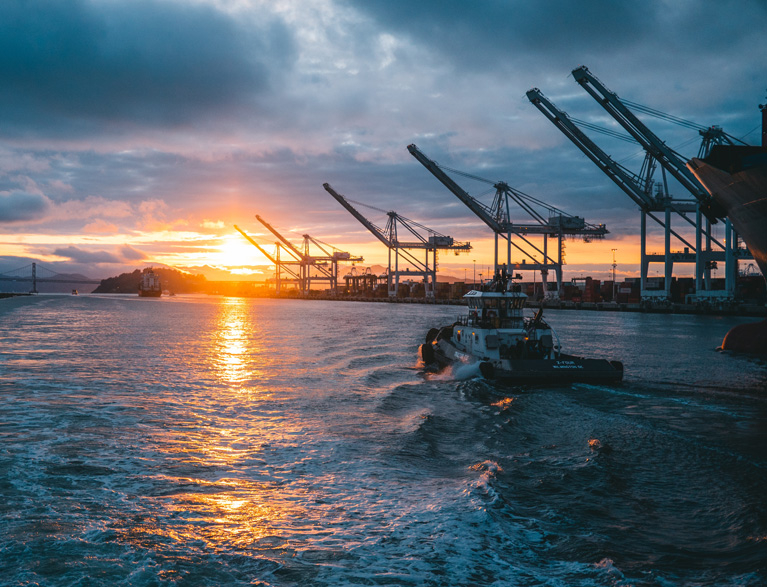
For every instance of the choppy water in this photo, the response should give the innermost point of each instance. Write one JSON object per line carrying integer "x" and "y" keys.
{"x": 215, "y": 441}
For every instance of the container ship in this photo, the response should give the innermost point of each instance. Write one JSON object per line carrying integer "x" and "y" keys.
{"x": 150, "y": 287}
{"x": 736, "y": 178}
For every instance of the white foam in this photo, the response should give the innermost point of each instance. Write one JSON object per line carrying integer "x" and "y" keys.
{"x": 458, "y": 372}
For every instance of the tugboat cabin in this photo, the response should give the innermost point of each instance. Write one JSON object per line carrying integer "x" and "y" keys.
{"x": 496, "y": 310}
{"x": 495, "y": 326}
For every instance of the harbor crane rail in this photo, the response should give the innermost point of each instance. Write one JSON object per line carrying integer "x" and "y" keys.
{"x": 549, "y": 221}
{"x": 389, "y": 236}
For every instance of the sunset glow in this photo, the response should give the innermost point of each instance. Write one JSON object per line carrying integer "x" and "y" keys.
{"x": 120, "y": 159}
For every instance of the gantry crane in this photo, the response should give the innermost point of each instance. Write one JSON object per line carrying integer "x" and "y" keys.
{"x": 325, "y": 266}
{"x": 677, "y": 166}
{"x": 548, "y": 220}
{"x": 279, "y": 265}
{"x": 357, "y": 282}
{"x": 649, "y": 195}
{"x": 309, "y": 267}
{"x": 389, "y": 236}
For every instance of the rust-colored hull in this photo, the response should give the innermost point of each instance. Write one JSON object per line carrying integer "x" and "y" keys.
{"x": 736, "y": 177}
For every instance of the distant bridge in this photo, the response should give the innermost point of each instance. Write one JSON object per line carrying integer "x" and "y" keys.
{"x": 35, "y": 274}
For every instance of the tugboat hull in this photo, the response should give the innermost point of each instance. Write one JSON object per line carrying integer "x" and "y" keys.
{"x": 566, "y": 369}
{"x": 562, "y": 370}
{"x": 507, "y": 347}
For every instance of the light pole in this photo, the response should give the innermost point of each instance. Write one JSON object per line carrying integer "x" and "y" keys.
{"x": 474, "y": 277}
{"x": 614, "y": 284}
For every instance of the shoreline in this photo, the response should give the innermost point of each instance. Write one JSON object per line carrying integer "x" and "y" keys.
{"x": 741, "y": 310}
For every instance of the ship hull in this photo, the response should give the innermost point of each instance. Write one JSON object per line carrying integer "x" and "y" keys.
{"x": 736, "y": 178}
{"x": 148, "y": 293}
{"x": 742, "y": 193}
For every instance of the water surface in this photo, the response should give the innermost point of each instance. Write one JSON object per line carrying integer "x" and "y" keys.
{"x": 225, "y": 441}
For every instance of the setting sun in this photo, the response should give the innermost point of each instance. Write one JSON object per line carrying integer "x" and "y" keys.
{"x": 235, "y": 251}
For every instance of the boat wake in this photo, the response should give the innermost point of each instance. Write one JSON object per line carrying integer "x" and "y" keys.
{"x": 457, "y": 372}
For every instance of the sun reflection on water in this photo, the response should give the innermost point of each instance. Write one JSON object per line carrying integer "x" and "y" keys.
{"x": 235, "y": 346}
{"x": 220, "y": 484}
{"x": 223, "y": 514}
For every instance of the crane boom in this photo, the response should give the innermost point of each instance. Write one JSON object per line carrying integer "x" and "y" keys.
{"x": 377, "y": 232}
{"x": 497, "y": 216}
{"x": 666, "y": 156}
{"x": 264, "y": 253}
{"x": 473, "y": 204}
{"x": 627, "y": 181}
{"x": 634, "y": 186}
{"x": 255, "y": 244}
{"x": 293, "y": 250}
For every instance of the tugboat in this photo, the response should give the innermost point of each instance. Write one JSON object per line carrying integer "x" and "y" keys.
{"x": 150, "y": 285}
{"x": 509, "y": 347}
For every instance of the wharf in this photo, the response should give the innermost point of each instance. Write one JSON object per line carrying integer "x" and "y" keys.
{"x": 714, "y": 310}
{"x": 745, "y": 310}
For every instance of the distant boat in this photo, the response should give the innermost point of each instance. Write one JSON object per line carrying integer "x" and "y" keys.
{"x": 150, "y": 285}
{"x": 75, "y": 292}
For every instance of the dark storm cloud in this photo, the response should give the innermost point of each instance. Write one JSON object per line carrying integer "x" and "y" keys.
{"x": 73, "y": 66}
{"x": 22, "y": 207}
{"x": 79, "y": 255}
{"x": 490, "y": 35}
{"x": 682, "y": 56}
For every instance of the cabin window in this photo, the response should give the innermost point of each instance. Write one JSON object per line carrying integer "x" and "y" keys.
{"x": 517, "y": 303}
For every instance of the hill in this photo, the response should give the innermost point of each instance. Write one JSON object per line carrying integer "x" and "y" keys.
{"x": 171, "y": 279}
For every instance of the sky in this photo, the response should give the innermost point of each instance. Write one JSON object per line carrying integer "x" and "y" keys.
{"x": 139, "y": 132}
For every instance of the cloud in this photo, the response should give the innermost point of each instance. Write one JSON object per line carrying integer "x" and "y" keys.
{"x": 212, "y": 224}
{"x": 130, "y": 254}
{"x": 12, "y": 161}
{"x": 19, "y": 206}
{"x": 490, "y": 36}
{"x": 71, "y": 67}
{"x": 153, "y": 115}
{"x": 87, "y": 207}
{"x": 78, "y": 255}
{"x": 99, "y": 226}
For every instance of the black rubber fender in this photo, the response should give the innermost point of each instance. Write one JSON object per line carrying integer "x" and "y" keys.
{"x": 427, "y": 353}
{"x": 431, "y": 335}
{"x": 617, "y": 365}
{"x": 487, "y": 369}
